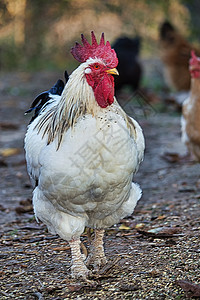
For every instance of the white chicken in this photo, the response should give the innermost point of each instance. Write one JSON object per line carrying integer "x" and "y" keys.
{"x": 82, "y": 151}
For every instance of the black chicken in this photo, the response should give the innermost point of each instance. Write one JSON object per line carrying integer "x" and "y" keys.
{"x": 129, "y": 67}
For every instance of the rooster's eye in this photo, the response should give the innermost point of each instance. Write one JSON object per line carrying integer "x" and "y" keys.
{"x": 96, "y": 67}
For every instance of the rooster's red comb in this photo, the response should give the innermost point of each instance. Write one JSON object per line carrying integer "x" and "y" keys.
{"x": 102, "y": 51}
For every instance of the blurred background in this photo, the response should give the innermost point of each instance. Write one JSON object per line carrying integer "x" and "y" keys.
{"x": 37, "y": 35}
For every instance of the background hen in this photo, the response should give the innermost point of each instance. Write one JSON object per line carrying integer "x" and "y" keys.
{"x": 129, "y": 67}
{"x": 175, "y": 54}
{"x": 82, "y": 151}
{"x": 191, "y": 111}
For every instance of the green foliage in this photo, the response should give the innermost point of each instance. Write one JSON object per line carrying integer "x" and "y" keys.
{"x": 9, "y": 55}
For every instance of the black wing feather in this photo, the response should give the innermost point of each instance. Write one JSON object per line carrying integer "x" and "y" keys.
{"x": 43, "y": 98}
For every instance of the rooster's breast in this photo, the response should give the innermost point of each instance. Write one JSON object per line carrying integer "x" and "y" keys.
{"x": 92, "y": 170}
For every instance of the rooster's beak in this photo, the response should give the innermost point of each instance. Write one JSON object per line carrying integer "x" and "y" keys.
{"x": 112, "y": 71}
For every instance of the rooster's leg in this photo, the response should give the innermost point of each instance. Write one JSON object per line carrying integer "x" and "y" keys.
{"x": 97, "y": 256}
{"x": 78, "y": 268}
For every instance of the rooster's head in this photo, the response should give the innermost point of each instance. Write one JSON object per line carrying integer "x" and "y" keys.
{"x": 100, "y": 63}
{"x": 194, "y": 65}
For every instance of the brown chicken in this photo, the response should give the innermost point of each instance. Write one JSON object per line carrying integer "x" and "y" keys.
{"x": 191, "y": 111}
{"x": 175, "y": 54}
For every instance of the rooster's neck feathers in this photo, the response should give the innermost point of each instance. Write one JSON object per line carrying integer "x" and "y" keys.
{"x": 76, "y": 101}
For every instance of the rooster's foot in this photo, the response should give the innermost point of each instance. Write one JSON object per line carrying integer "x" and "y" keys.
{"x": 96, "y": 261}
{"x": 78, "y": 268}
{"x": 80, "y": 272}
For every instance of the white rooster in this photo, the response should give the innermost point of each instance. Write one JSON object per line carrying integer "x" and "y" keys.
{"x": 82, "y": 151}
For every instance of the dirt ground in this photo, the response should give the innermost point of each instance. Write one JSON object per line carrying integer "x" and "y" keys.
{"x": 153, "y": 254}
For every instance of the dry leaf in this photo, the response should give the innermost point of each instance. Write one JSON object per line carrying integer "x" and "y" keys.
{"x": 9, "y": 151}
{"x": 161, "y": 217}
{"x": 75, "y": 287}
{"x": 139, "y": 225}
{"x": 191, "y": 289}
{"x": 165, "y": 230}
{"x": 24, "y": 209}
{"x": 160, "y": 232}
{"x": 124, "y": 227}
{"x": 64, "y": 248}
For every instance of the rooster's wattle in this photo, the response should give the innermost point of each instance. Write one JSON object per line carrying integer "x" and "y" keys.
{"x": 82, "y": 151}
